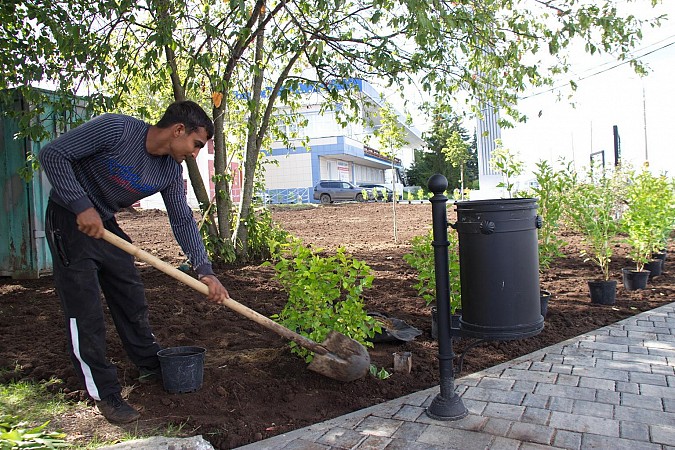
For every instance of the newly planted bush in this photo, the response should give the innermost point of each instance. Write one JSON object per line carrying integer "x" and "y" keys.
{"x": 324, "y": 294}
{"x": 422, "y": 260}
{"x": 592, "y": 211}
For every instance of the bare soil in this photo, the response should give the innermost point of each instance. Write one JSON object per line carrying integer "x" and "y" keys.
{"x": 254, "y": 388}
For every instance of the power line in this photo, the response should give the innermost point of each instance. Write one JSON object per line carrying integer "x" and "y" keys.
{"x": 553, "y": 88}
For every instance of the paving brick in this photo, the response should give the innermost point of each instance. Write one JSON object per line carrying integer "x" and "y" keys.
{"x": 460, "y": 439}
{"x": 408, "y": 413}
{"x": 609, "y": 397}
{"x": 532, "y": 446}
{"x": 567, "y": 439}
{"x": 643, "y": 415}
{"x": 641, "y": 335}
{"x": 561, "y": 404}
{"x": 618, "y": 340}
{"x": 497, "y": 427}
{"x": 584, "y": 407}
{"x": 526, "y": 387}
{"x": 567, "y": 380}
{"x": 378, "y": 426}
{"x": 409, "y": 431}
{"x": 503, "y": 443}
{"x": 375, "y": 443}
{"x": 604, "y": 346}
{"x": 637, "y": 350}
{"x": 578, "y": 361}
{"x": 553, "y": 359}
{"x": 570, "y": 392}
{"x": 502, "y": 411}
{"x": 536, "y": 401}
{"x": 603, "y": 374}
{"x": 632, "y": 388}
{"x": 657, "y": 391}
{"x": 648, "y": 378}
{"x": 644, "y": 359}
{"x": 496, "y": 383}
{"x": 629, "y": 366}
{"x": 663, "y": 434}
{"x": 538, "y": 416}
{"x": 341, "y": 438}
{"x": 595, "y": 441}
{"x": 475, "y": 407}
{"x": 660, "y": 369}
{"x": 661, "y": 344}
{"x": 541, "y": 367}
{"x": 399, "y": 444}
{"x": 524, "y": 375}
{"x": 597, "y": 383}
{"x": 301, "y": 444}
{"x": 562, "y": 368}
{"x": 584, "y": 424}
{"x": 642, "y": 401}
{"x": 491, "y": 395}
{"x": 634, "y": 430}
{"x": 530, "y": 432}
{"x": 468, "y": 423}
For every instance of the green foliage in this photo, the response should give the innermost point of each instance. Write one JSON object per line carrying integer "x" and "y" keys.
{"x": 380, "y": 374}
{"x": 593, "y": 212}
{"x": 15, "y": 434}
{"x": 551, "y": 193}
{"x": 324, "y": 294}
{"x": 648, "y": 218}
{"x": 434, "y": 158}
{"x": 265, "y": 237}
{"x": 508, "y": 164}
{"x": 420, "y": 194}
{"x": 409, "y": 197}
{"x": 421, "y": 258}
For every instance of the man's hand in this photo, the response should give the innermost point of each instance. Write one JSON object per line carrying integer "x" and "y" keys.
{"x": 89, "y": 222}
{"x": 217, "y": 292}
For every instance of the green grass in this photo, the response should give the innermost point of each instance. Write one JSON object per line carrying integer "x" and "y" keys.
{"x": 32, "y": 401}
{"x": 25, "y": 404}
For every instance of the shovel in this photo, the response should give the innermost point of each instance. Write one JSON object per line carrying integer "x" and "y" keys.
{"x": 338, "y": 357}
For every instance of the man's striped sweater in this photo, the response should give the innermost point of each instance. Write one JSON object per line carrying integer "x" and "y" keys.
{"x": 104, "y": 164}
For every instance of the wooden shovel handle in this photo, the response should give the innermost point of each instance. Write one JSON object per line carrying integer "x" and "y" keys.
{"x": 204, "y": 289}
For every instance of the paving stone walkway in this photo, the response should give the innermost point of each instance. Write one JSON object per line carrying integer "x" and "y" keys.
{"x": 613, "y": 388}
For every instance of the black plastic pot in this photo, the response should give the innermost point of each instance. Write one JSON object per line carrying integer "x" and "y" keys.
{"x": 655, "y": 267}
{"x": 659, "y": 255}
{"x": 182, "y": 368}
{"x": 634, "y": 280}
{"x": 603, "y": 292}
{"x": 544, "y": 297}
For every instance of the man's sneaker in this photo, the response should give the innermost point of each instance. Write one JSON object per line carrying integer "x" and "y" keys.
{"x": 116, "y": 410}
{"x": 149, "y": 375}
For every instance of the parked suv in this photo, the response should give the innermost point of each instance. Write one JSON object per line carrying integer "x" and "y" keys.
{"x": 329, "y": 191}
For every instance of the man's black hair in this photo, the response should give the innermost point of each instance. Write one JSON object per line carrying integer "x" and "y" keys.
{"x": 189, "y": 114}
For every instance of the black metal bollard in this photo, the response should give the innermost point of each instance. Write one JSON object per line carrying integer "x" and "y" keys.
{"x": 447, "y": 405}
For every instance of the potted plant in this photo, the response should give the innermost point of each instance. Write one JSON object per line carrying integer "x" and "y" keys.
{"x": 421, "y": 258}
{"x": 549, "y": 191}
{"x": 591, "y": 210}
{"x": 641, "y": 222}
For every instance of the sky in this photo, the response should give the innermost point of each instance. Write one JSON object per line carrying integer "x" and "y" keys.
{"x": 608, "y": 94}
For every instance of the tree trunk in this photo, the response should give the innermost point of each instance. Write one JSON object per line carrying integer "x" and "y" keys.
{"x": 252, "y": 152}
{"x": 223, "y": 198}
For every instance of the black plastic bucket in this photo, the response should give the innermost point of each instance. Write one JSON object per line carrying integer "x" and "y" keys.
{"x": 499, "y": 268}
{"x": 182, "y": 368}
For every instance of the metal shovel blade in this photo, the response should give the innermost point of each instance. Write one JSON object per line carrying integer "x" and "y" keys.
{"x": 346, "y": 360}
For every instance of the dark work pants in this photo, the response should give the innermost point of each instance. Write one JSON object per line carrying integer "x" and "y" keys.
{"x": 83, "y": 266}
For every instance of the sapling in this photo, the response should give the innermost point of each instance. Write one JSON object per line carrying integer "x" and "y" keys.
{"x": 592, "y": 211}
{"x": 508, "y": 164}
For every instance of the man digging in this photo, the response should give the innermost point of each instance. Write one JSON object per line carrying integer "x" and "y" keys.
{"x": 95, "y": 170}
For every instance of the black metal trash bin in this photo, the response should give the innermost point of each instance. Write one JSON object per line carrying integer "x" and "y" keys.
{"x": 499, "y": 268}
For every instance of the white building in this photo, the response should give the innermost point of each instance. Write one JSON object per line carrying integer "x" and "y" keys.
{"x": 333, "y": 153}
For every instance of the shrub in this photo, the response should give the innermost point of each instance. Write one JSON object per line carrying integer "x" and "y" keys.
{"x": 324, "y": 294}
{"x": 422, "y": 260}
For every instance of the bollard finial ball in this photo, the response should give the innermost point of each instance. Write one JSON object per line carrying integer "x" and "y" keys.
{"x": 437, "y": 183}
